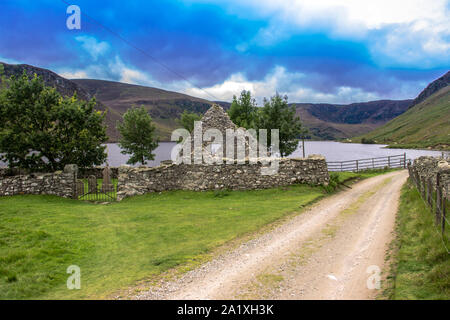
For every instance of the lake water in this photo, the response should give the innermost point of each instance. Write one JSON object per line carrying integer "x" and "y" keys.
{"x": 331, "y": 150}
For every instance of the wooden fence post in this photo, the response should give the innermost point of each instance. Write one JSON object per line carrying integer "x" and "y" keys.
{"x": 429, "y": 192}
{"x": 357, "y": 166}
{"x": 404, "y": 160}
{"x": 438, "y": 199}
{"x": 373, "y": 164}
{"x": 444, "y": 209}
{"x": 423, "y": 187}
{"x": 389, "y": 161}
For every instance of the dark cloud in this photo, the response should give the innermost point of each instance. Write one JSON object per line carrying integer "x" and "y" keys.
{"x": 201, "y": 42}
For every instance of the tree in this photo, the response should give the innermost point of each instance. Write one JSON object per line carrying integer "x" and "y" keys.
{"x": 243, "y": 110}
{"x": 138, "y": 136}
{"x": 276, "y": 114}
{"x": 41, "y": 130}
{"x": 187, "y": 120}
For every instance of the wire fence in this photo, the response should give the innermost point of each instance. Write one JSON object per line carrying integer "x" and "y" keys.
{"x": 436, "y": 197}
{"x": 396, "y": 161}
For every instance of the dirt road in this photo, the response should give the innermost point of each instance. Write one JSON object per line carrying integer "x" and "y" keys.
{"x": 332, "y": 250}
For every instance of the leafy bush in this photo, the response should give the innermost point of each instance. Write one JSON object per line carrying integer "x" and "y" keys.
{"x": 367, "y": 141}
{"x": 333, "y": 184}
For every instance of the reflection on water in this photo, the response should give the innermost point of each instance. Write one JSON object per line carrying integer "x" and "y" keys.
{"x": 333, "y": 151}
{"x": 337, "y": 151}
{"x": 116, "y": 159}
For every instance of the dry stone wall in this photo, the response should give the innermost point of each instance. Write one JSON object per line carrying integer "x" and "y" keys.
{"x": 428, "y": 167}
{"x": 59, "y": 183}
{"x": 84, "y": 173}
{"x": 138, "y": 181}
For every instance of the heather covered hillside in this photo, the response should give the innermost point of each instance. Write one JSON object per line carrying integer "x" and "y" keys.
{"x": 425, "y": 125}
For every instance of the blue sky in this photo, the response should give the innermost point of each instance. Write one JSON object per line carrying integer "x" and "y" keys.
{"x": 336, "y": 51}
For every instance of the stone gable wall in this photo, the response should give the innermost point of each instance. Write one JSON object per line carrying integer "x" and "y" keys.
{"x": 138, "y": 181}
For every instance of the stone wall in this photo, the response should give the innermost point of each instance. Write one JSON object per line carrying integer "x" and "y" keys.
{"x": 59, "y": 183}
{"x": 84, "y": 173}
{"x": 428, "y": 167}
{"x": 138, "y": 181}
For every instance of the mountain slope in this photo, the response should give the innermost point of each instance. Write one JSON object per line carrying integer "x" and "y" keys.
{"x": 330, "y": 121}
{"x": 66, "y": 88}
{"x": 433, "y": 87}
{"x": 325, "y": 121}
{"x": 425, "y": 125}
{"x": 164, "y": 106}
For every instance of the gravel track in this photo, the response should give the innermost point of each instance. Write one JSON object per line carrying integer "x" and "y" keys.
{"x": 322, "y": 253}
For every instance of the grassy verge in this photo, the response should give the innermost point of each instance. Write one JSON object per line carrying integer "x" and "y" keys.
{"x": 118, "y": 244}
{"x": 420, "y": 267}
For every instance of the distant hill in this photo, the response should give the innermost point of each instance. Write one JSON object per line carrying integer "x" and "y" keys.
{"x": 338, "y": 121}
{"x": 164, "y": 106}
{"x": 425, "y": 125}
{"x": 332, "y": 121}
{"x": 325, "y": 121}
{"x": 433, "y": 87}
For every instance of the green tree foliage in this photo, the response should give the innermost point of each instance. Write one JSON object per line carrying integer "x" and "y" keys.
{"x": 367, "y": 141}
{"x": 187, "y": 120}
{"x": 243, "y": 110}
{"x": 138, "y": 137}
{"x": 40, "y": 130}
{"x": 276, "y": 114}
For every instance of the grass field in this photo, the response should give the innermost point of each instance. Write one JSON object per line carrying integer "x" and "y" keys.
{"x": 118, "y": 244}
{"x": 421, "y": 264}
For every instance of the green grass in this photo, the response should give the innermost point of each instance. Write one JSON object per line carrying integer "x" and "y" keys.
{"x": 421, "y": 264}
{"x": 116, "y": 245}
{"x": 426, "y": 125}
{"x": 346, "y": 176}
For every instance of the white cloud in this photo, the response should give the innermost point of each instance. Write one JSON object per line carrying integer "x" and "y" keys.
{"x": 401, "y": 32}
{"x": 278, "y": 80}
{"x": 73, "y": 74}
{"x": 94, "y": 47}
{"x": 285, "y": 83}
{"x": 10, "y": 61}
{"x": 368, "y": 13}
{"x": 114, "y": 69}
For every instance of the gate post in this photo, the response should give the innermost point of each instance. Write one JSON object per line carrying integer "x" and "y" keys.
{"x": 438, "y": 199}
{"x": 72, "y": 169}
{"x": 444, "y": 209}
